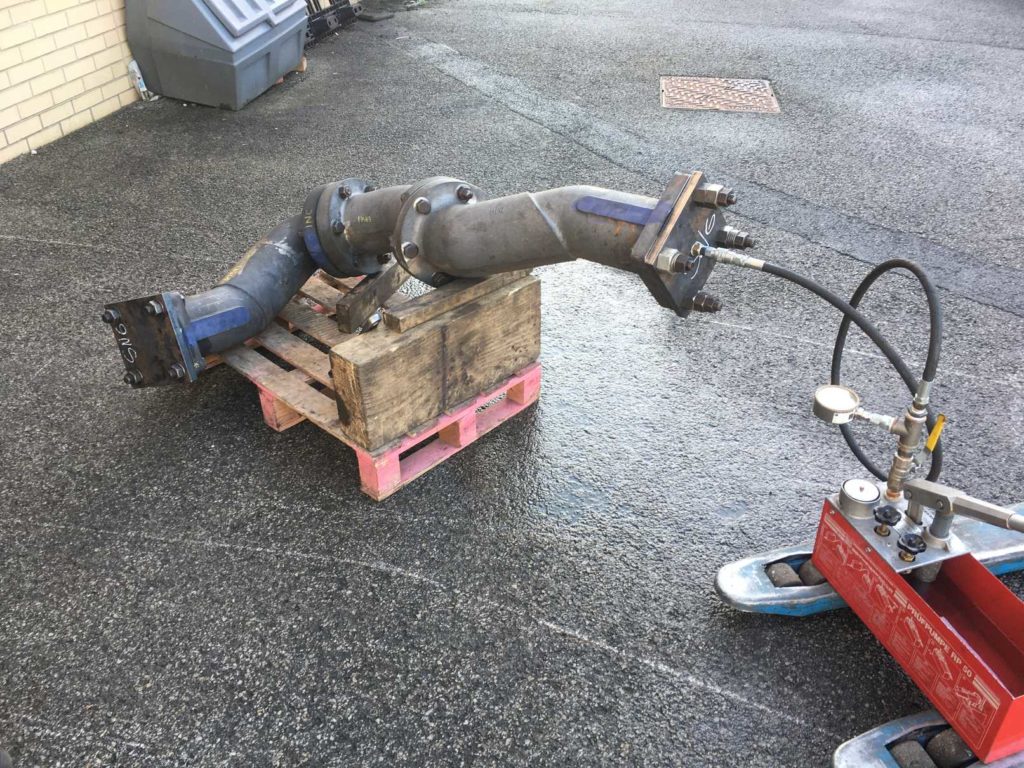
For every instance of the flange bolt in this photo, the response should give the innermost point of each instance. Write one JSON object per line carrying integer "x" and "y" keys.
{"x": 338, "y": 227}
{"x": 177, "y": 371}
{"x": 422, "y": 205}
{"x": 410, "y": 250}
{"x": 704, "y": 302}
{"x": 384, "y": 258}
{"x": 464, "y": 193}
{"x": 154, "y": 308}
{"x": 910, "y": 545}
{"x": 110, "y": 316}
{"x": 684, "y": 263}
{"x": 713, "y": 196}
{"x": 370, "y": 188}
{"x": 133, "y": 378}
{"x": 886, "y": 516}
{"x": 344, "y": 192}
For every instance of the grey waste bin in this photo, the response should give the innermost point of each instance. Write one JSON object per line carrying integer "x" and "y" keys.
{"x": 223, "y": 53}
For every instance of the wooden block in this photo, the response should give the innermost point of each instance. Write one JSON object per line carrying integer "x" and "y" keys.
{"x": 354, "y": 308}
{"x": 384, "y": 471}
{"x": 460, "y": 433}
{"x": 276, "y": 414}
{"x": 423, "y": 308}
{"x": 388, "y": 382}
{"x": 323, "y": 293}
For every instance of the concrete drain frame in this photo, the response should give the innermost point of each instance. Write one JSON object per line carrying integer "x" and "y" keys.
{"x": 722, "y": 94}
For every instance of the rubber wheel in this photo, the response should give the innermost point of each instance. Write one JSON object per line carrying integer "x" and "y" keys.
{"x": 783, "y": 575}
{"x": 811, "y": 576}
{"x": 910, "y": 754}
{"x": 5, "y": 760}
{"x": 948, "y": 750}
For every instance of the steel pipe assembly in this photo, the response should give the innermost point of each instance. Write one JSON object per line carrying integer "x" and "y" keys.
{"x": 438, "y": 229}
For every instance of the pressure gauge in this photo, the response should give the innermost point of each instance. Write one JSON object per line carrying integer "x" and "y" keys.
{"x": 835, "y": 404}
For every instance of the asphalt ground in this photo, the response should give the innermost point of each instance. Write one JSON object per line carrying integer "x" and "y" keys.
{"x": 183, "y": 586}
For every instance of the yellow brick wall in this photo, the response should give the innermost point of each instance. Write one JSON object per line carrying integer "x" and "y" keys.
{"x": 63, "y": 64}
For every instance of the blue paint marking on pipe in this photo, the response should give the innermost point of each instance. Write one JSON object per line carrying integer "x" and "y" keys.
{"x": 211, "y": 325}
{"x": 660, "y": 212}
{"x": 611, "y": 209}
{"x": 189, "y": 355}
{"x": 315, "y": 250}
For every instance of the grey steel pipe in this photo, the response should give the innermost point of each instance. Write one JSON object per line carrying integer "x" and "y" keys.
{"x": 438, "y": 229}
{"x": 253, "y": 291}
{"x": 532, "y": 229}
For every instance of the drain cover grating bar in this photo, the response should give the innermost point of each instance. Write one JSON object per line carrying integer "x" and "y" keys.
{"x": 722, "y": 93}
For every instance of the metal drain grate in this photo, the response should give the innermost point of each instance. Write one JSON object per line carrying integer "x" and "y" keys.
{"x": 726, "y": 94}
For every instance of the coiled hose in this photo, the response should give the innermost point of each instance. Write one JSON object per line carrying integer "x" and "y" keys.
{"x": 854, "y": 315}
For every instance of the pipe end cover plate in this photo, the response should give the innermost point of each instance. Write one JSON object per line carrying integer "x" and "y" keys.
{"x": 677, "y": 222}
{"x": 423, "y": 208}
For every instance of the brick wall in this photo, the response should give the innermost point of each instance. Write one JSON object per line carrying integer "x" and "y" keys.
{"x": 63, "y": 64}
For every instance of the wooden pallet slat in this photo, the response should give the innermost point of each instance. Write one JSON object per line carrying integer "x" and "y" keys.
{"x": 297, "y": 352}
{"x": 317, "y": 324}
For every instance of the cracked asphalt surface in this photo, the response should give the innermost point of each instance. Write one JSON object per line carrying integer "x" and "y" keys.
{"x": 183, "y": 586}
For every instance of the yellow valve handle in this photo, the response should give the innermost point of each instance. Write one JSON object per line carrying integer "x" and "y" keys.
{"x": 936, "y": 433}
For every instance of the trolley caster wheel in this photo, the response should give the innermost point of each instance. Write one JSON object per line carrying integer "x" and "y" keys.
{"x": 948, "y": 750}
{"x": 782, "y": 575}
{"x": 943, "y": 750}
{"x": 910, "y": 754}
{"x": 810, "y": 575}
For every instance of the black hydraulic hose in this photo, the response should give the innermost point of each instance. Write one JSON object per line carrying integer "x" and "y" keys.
{"x": 930, "y": 366}
{"x": 851, "y": 313}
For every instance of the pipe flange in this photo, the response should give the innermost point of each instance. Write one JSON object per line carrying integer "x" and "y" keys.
{"x": 309, "y": 233}
{"x": 323, "y": 218}
{"x": 421, "y": 209}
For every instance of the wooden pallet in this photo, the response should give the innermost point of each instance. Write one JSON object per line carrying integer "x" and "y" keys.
{"x": 297, "y": 387}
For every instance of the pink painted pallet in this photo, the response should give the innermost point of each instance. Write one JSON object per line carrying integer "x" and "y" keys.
{"x": 383, "y": 472}
{"x": 294, "y": 383}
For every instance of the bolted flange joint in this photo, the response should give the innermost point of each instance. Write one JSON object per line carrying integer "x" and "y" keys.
{"x": 418, "y": 237}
